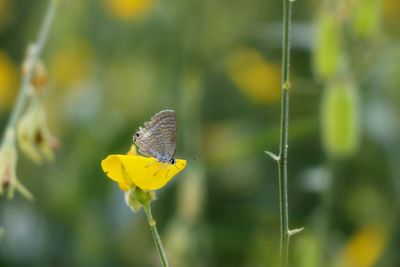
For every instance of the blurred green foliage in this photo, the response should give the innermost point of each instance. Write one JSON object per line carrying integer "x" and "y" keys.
{"x": 114, "y": 63}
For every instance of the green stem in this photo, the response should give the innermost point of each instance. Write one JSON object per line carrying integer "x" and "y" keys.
{"x": 283, "y": 146}
{"x": 33, "y": 57}
{"x": 156, "y": 236}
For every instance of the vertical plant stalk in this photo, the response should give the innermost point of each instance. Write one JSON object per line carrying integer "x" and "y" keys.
{"x": 281, "y": 159}
{"x": 156, "y": 236}
{"x": 283, "y": 145}
{"x": 32, "y": 58}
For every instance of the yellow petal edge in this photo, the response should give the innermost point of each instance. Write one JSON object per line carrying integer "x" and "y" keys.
{"x": 146, "y": 173}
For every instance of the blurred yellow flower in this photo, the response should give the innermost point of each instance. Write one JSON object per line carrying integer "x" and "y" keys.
{"x": 8, "y": 81}
{"x": 135, "y": 170}
{"x": 391, "y": 11}
{"x": 72, "y": 63}
{"x": 254, "y": 76}
{"x": 365, "y": 247}
{"x": 128, "y": 9}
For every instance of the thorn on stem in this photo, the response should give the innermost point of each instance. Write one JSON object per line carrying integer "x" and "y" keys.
{"x": 273, "y": 156}
{"x": 295, "y": 231}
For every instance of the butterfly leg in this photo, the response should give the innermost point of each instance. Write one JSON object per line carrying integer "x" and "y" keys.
{"x": 175, "y": 166}
{"x": 151, "y": 164}
{"x": 166, "y": 175}
{"x": 159, "y": 169}
{"x": 168, "y": 168}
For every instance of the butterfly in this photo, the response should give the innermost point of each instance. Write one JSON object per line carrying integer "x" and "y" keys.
{"x": 157, "y": 138}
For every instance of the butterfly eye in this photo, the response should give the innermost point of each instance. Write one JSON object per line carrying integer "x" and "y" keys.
{"x": 137, "y": 134}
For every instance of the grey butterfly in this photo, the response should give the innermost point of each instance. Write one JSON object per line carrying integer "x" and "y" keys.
{"x": 157, "y": 138}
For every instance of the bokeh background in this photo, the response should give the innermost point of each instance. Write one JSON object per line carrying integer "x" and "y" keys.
{"x": 112, "y": 64}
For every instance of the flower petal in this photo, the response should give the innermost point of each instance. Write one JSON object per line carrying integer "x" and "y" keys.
{"x": 149, "y": 173}
{"x": 146, "y": 173}
{"x": 112, "y": 167}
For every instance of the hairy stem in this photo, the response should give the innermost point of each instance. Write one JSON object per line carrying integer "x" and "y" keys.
{"x": 156, "y": 236}
{"x": 283, "y": 145}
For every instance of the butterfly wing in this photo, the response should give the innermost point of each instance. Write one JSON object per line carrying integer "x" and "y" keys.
{"x": 158, "y": 136}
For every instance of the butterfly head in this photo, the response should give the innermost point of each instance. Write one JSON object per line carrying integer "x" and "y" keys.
{"x": 139, "y": 135}
{"x": 136, "y": 135}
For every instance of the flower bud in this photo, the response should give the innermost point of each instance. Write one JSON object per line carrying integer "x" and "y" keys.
{"x": 327, "y": 45}
{"x": 136, "y": 198}
{"x": 131, "y": 201}
{"x": 340, "y": 119}
{"x": 366, "y": 18}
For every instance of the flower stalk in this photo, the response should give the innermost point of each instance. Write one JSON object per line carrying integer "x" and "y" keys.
{"x": 156, "y": 236}
{"x": 136, "y": 198}
{"x": 8, "y": 150}
{"x": 31, "y": 61}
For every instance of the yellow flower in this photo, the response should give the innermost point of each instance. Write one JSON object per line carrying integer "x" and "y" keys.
{"x": 8, "y": 81}
{"x": 391, "y": 9}
{"x": 254, "y": 75}
{"x": 72, "y": 63}
{"x": 134, "y": 170}
{"x": 365, "y": 247}
{"x": 128, "y": 9}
